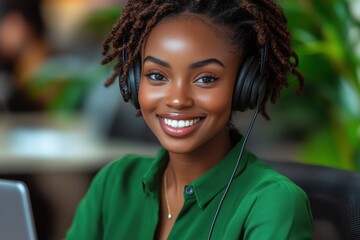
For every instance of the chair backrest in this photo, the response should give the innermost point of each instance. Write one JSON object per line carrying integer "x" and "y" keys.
{"x": 334, "y": 196}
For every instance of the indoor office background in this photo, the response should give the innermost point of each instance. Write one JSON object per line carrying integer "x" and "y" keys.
{"x": 59, "y": 124}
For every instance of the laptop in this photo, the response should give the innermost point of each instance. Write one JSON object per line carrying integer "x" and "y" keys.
{"x": 16, "y": 219}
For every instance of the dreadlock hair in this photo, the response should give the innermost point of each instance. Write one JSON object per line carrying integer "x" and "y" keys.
{"x": 252, "y": 23}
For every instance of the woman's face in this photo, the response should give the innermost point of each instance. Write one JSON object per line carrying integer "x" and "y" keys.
{"x": 188, "y": 75}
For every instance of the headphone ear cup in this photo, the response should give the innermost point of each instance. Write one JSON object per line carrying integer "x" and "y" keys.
{"x": 244, "y": 84}
{"x": 236, "y": 103}
{"x": 249, "y": 87}
{"x": 129, "y": 88}
{"x": 257, "y": 90}
{"x": 133, "y": 82}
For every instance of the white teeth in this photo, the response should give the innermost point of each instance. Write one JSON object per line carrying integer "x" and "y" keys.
{"x": 180, "y": 123}
{"x": 174, "y": 123}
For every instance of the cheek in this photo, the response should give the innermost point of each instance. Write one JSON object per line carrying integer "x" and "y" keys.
{"x": 149, "y": 96}
{"x": 216, "y": 104}
{"x": 218, "y": 101}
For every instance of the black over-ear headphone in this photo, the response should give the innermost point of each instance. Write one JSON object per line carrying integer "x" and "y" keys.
{"x": 248, "y": 91}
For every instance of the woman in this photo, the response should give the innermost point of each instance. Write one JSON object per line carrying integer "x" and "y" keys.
{"x": 186, "y": 65}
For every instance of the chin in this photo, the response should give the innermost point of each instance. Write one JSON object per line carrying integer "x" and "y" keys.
{"x": 184, "y": 146}
{"x": 178, "y": 146}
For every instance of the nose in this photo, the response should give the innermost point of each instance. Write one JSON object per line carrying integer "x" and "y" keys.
{"x": 179, "y": 96}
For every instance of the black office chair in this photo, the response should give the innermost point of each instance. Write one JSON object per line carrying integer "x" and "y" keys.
{"x": 334, "y": 196}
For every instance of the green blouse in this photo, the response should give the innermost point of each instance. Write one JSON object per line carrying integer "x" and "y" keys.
{"x": 123, "y": 202}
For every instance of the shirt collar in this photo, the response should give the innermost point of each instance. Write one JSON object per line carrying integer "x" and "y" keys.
{"x": 152, "y": 178}
{"x": 205, "y": 187}
{"x": 216, "y": 179}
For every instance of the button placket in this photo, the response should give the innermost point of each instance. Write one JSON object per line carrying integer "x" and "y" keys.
{"x": 189, "y": 190}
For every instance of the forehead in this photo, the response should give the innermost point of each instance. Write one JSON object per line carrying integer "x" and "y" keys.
{"x": 197, "y": 33}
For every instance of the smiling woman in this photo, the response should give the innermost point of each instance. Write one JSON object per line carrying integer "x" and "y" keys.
{"x": 183, "y": 88}
{"x": 186, "y": 65}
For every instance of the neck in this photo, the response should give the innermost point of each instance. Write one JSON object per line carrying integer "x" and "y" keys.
{"x": 185, "y": 168}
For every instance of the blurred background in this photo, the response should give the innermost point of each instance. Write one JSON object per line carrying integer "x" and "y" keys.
{"x": 59, "y": 124}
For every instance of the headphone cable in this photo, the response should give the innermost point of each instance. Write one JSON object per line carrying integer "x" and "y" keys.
{"x": 234, "y": 171}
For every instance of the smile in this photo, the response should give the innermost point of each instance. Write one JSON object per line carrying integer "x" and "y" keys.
{"x": 180, "y": 127}
{"x": 180, "y": 123}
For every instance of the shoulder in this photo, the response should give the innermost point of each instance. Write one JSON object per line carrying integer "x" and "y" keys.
{"x": 122, "y": 174}
{"x": 126, "y": 166}
{"x": 131, "y": 161}
{"x": 265, "y": 178}
{"x": 273, "y": 192}
{"x": 268, "y": 188}
{"x": 275, "y": 202}
{"x": 109, "y": 192}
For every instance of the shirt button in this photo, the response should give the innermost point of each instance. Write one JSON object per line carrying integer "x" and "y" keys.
{"x": 189, "y": 190}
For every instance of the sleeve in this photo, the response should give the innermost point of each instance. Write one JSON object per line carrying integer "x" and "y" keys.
{"x": 281, "y": 211}
{"x": 88, "y": 221}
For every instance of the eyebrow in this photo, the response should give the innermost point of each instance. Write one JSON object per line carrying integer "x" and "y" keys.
{"x": 206, "y": 62}
{"x": 198, "y": 64}
{"x": 157, "y": 61}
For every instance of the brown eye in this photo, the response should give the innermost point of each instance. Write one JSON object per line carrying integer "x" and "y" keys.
{"x": 206, "y": 80}
{"x": 155, "y": 77}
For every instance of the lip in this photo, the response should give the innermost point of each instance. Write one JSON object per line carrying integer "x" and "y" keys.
{"x": 179, "y": 132}
{"x": 179, "y": 116}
